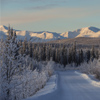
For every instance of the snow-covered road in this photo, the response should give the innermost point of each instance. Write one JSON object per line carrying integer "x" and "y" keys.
{"x": 71, "y": 86}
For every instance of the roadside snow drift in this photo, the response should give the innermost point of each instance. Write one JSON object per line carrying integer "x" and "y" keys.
{"x": 50, "y": 86}
{"x": 90, "y": 78}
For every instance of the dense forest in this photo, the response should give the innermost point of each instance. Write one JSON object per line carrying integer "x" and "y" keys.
{"x": 58, "y": 52}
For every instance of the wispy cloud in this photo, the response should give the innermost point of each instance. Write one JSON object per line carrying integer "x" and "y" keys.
{"x": 55, "y": 13}
{"x": 48, "y": 6}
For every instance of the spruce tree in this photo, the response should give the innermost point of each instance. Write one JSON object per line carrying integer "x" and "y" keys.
{"x": 92, "y": 53}
{"x": 74, "y": 52}
{"x": 70, "y": 56}
{"x": 88, "y": 55}
{"x": 11, "y": 61}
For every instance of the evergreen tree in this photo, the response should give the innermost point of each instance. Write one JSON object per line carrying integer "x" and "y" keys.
{"x": 44, "y": 52}
{"x": 21, "y": 48}
{"x": 47, "y": 53}
{"x": 92, "y": 53}
{"x": 97, "y": 54}
{"x": 53, "y": 54}
{"x": 64, "y": 54}
{"x": 70, "y": 56}
{"x": 88, "y": 55}
{"x": 56, "y": 56}
{"x": 24, "y": 45}
{"x": 10, "y": 63}
{"x": 81, "y": 56}
{"x": 74, "y": 52}
{"x": 30, "y": 49}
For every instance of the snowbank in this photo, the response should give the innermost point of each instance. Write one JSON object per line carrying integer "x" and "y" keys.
{"x": 90, "y": 78}
{"x": 50, "y": 86}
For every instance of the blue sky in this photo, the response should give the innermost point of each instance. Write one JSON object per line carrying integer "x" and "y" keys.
{"x": 50, "y": 15}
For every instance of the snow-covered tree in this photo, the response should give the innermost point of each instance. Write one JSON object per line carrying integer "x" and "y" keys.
{"x": 88, "y": 55}
{"x": 93, "y": 53}
{"x": 10, "y": 63}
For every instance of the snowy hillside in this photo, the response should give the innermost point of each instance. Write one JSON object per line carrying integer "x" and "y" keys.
{"x": 33, "y": 36}
{"x": 83, "y": 32}
{"x": 44, "y": 36}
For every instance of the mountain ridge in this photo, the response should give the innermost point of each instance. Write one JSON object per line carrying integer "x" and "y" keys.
{"x": 43, "y": 36}
{"x": 83, "y": 32}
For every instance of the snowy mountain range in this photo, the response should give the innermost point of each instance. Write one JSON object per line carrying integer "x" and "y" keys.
{"x": 44, "y": 36}
{"x": 83, "y": 32}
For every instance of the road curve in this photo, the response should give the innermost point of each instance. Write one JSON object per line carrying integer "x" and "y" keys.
{"x": 71, "y": 86}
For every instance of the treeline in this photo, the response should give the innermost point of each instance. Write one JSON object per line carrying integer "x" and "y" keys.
{"x": 58, "y": 52}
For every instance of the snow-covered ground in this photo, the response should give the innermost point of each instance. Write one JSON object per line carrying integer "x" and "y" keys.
{"x": 71, "y": 85}
{"x": 90, "y": 78}
{"x": 50, "y": 86}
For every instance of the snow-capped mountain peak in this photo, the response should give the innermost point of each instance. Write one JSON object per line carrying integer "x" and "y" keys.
{"x": 33, "y": 36}
{"x": 44, "y": 36}
{"x": 83, "y": 32}
{"x": 3, "y": 28}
